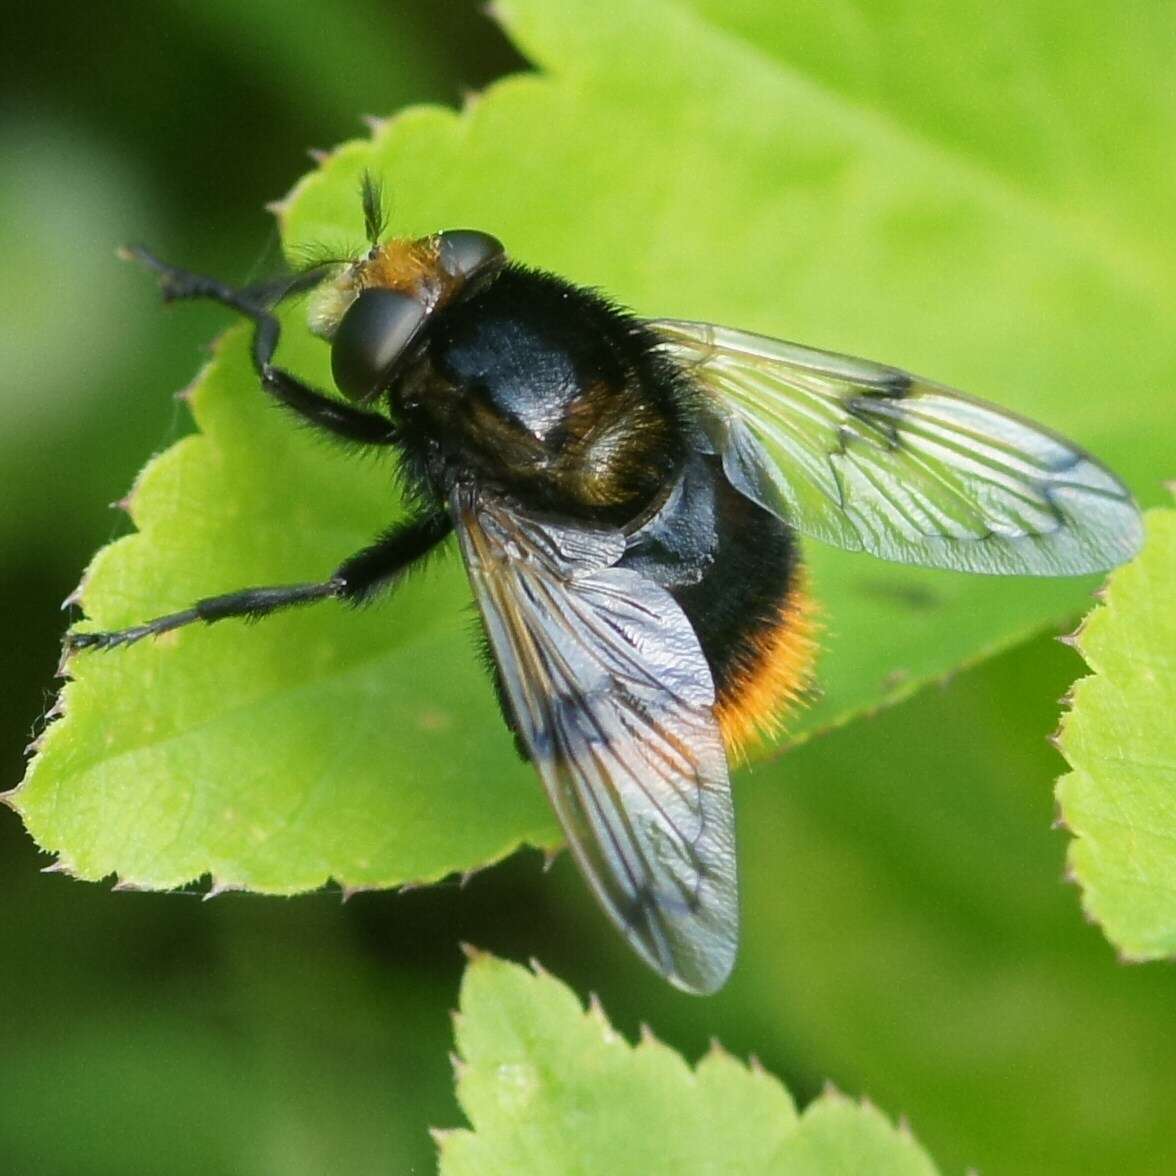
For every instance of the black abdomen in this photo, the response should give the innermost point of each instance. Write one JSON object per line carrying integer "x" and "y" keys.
{"x": 731, "y": 566}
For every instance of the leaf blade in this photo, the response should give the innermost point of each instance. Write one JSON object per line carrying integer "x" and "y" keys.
{"x": 551, "y": 1087}
{"x": 1119, "y": 739}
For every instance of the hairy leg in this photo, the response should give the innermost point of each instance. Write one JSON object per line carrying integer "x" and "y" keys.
{"x": 356, "y": 579}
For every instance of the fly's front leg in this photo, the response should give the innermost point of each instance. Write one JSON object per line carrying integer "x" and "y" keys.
{"x": 355, "y": 580}
{"x": 255, "y": 302}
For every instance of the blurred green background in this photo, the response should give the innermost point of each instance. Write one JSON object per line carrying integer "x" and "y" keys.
{"x": 907, "y": 931}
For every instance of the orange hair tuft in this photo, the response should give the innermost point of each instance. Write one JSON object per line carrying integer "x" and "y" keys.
{"x": 775, "y": 678}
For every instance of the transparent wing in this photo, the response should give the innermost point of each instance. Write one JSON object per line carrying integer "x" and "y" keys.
{"x": 613, "y": 697}
{"x": 869, "y": 458}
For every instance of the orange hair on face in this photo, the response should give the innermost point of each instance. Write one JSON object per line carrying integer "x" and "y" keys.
{"x": 403, "y": 264}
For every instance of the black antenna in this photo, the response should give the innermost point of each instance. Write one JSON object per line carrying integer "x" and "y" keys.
{"x": 375, "y": 215}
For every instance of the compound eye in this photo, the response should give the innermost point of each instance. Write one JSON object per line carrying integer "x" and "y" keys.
{"x": 371, "y": 337}
{"x": 467, "y": 252}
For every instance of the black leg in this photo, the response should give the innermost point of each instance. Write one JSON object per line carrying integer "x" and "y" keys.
{"x": 355, "y": 580}
{"x": 249, "y": 602}
{"x": 325, "y": 412}
{"x": 393, "y": 552}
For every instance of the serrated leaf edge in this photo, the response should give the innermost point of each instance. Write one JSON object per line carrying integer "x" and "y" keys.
{"x": 593, "y": 1011}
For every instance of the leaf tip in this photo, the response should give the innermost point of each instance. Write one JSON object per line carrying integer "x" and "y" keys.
{"x": 473, "y": 954}
{"x": 62, "y": 671}
{"x": 75, "y": 597}
{"x": 375, "y": 123}
{"x": 538, "y": 969}
{"x": 60, "y": 866}
{"x": 496, "y": 11}
{"x": 8, "y": 799}
{"x": 218, "y": 887}
{"x": 277, "y": 208}
{"x": 185, "y": 396}
{"x": 595, "y": 1013}
{"x": 347, "y": 891}
{"x": 127, "y": 502}
{"x": 714, "y": 1049}
{"x": 441, "y": 1136}
{"x": 318, "y": 156}
{"x": 549, "y": 857}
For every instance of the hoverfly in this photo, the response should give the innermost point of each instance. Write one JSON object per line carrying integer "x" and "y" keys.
{"x": 627, "y": 495}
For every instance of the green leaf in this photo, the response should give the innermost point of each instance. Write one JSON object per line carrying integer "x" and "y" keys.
{"x": 550, "y": 1087}
{"x": 1119, "y": 737}
{"x": 693, "y": 162}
